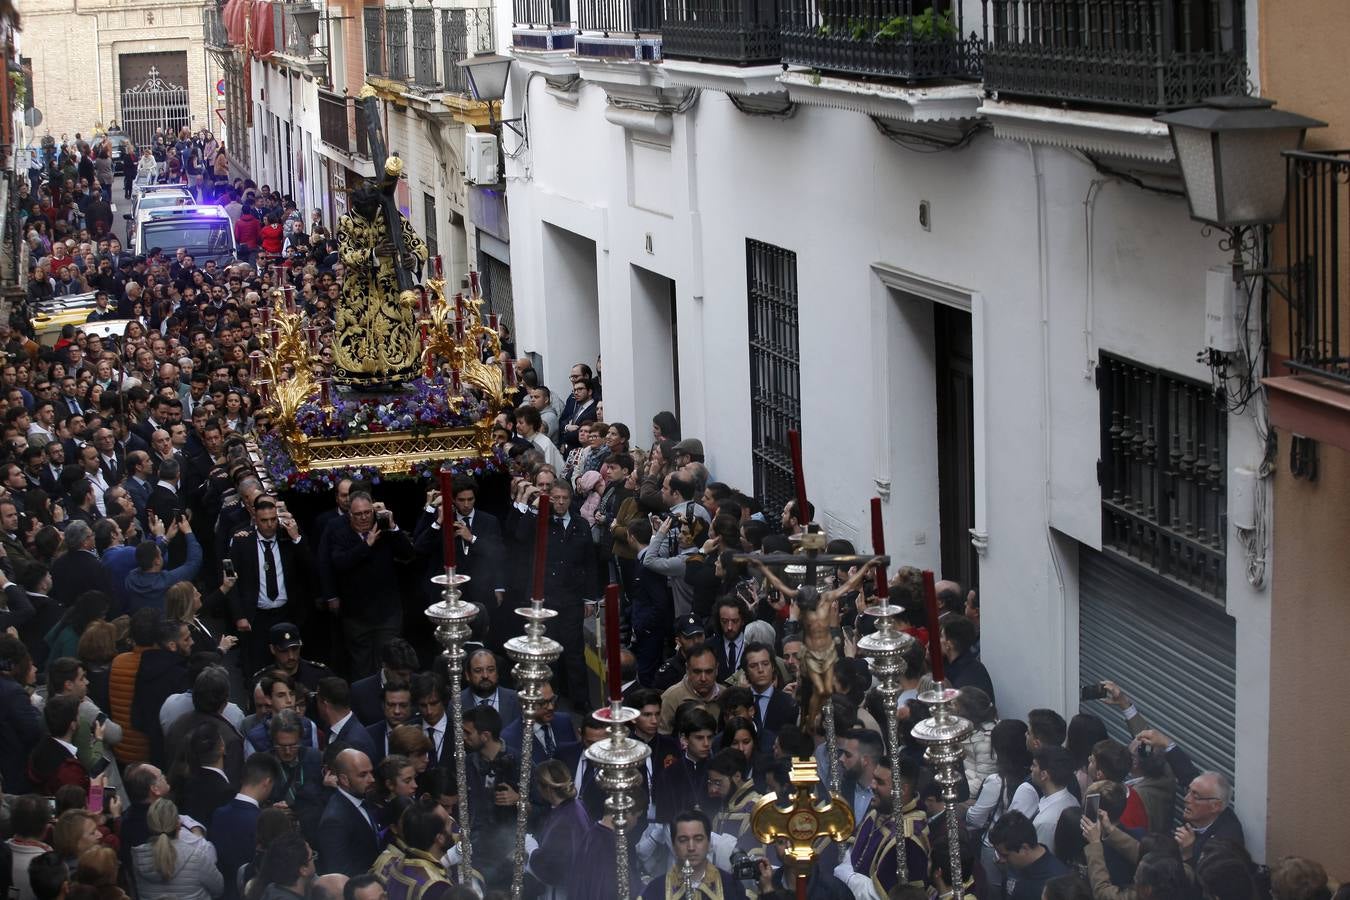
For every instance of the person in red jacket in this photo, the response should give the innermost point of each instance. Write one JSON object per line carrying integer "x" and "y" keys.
{"x": 272, "y": 236}
{"x": 54, "y": 761}
{"x": 247, "y": 233}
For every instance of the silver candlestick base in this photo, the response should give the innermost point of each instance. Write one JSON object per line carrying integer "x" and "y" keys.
{"x": 886, "y": 647}
{"x": 534, "y": 655}
{"x": 619, "y": 759}
{"x": 687, "y": 879}
{"x": 943, "y": 731}
{"x": 452, "y": 617}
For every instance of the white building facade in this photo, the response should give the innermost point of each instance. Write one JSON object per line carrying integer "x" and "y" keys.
{"x": 980, "y": 302}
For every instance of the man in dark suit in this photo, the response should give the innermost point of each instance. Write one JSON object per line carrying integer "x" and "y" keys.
{"x": 342, "y": 494}
{"x": 110, "y": 460}
{"x": 569, "y": 577}
{"x": 396, "y": 699}
{"x": 1207, "y": 815}
{"x": 479, "y": 551}
{"x": 210, "y": 696}
{"x": 334, "y": 702}
{"x": 233, "y": 827}
{"x": 730, "y": 616}
{"x": 301, "y": 785}
{"x": 349, "y": 829}
{"x": 362, "y": 559}
{"x": 138, "y": 483}
{"x": 79, "y": 569}
{"x": 579, "y": 411}
{"x": 398, "y": 662}
{"x": 273, "y": 569}
{"x": 208, "y": 790}
{"x": 480, "y": 673}
{"x": 554, "y": 737}
{"x": 168, "y": 505}
{"x": 772, "y": 708}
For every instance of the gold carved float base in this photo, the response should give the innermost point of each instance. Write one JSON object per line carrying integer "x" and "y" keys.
{"x": 391, "y": 452}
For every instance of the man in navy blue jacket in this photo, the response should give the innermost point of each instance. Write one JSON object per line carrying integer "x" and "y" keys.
{"x": 20, "y": 725}
{"x": 233, "y": 828}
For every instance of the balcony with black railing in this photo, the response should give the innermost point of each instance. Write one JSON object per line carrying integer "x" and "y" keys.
{"x": 372, "y": 20}
{"x": 906, "y": 40}
{"x": 396, "y": 43}
{"x": 342, "y": 123}
{"x": 424, "y": 48}
{"x": 619, "y": 29}
{"x": 1146, "y": 55}
{"x": 542, "y": 25}
{"x": 1317, "y": 247}
{"x": 740, "y": 32}
{"x": 464, "y": 32}
{"x": 214, "y": 33}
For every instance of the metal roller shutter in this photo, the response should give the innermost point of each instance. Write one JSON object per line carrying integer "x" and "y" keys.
{"x": 1173, "y": 651}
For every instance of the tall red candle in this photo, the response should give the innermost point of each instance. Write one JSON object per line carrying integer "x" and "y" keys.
{"x": 540, "y": 548}
{"x": 440, "y": 272}
{"x": 448, "y": 516}
{"x": 930, "y": 606}
{"x": 455, "y": 387}
{"x": 613, "y": 670}
{"x": 879, "y": 548}
{"x": 799, "y": 476}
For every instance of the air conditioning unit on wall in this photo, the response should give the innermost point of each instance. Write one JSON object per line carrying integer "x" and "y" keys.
{"x": 480, "y": 158}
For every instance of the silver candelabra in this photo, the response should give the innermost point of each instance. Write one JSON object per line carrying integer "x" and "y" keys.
{"x": 943, "y": 731}
{"x": 886, "y": 647}
{"x": 452, "y": 617}
{"x": 534, "y": 655}
{"x": 619, "y": 759}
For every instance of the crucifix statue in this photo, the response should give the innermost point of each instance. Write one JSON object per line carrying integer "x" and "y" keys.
{"x": 376, "y": 342}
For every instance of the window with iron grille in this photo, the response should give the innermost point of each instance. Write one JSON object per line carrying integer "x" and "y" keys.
{"x": 396, "y": 39}
{"x": 1163, "y": 473}
{"x": 424, "y": 46}
{"x": 373, "y": 19}
{"x": 775, "y": 369}
{"x": 429, "y": 225}
{"x": 454, "y": 47}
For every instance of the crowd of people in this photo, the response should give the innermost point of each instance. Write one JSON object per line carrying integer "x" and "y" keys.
{"x": 205, "y": 693}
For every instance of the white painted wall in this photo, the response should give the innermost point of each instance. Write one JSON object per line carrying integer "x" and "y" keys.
{"x": 1011, "y": 225}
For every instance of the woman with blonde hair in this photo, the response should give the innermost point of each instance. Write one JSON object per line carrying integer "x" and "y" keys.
{"x": 565, "y": 825}
{"x": 75, "y": 831}
{"x": 174, "y": 864}
{"x": 182, "y": 602}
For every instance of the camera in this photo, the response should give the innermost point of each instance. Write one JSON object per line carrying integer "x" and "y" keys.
{"x": 744, "y": 866}
{"x": 1093, "y": 692}
{"x": 384, "y": 517}
{"x": 1145, "y": 749}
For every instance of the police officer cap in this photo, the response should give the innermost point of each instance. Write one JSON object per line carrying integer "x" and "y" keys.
{"x": 285, "y": 635}
{"x": 689, "y": 626}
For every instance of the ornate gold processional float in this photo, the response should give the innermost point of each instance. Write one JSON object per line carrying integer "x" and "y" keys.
{"x": 415, "y": 382}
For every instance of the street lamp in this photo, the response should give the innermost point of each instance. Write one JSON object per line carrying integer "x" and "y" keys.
{"x": 487, "y": 75}
{"x": 1229, "y": 151}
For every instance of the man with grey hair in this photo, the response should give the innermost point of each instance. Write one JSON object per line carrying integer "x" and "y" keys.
{"x": 1208, "y": 814}
{"x": 78, "y": 569}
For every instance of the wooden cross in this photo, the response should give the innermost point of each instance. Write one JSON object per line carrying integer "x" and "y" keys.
{"x": 802, "y": 820}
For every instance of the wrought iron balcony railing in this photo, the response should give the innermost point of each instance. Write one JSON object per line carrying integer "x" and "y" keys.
{"x": 214, "y": 33}
{"x": 372, "y": 18}
{"x": 541, "y": 13}
{"x": 396, "y": 43}
{"x": 1142, "y": 54}
{"x": 740, "y": 32}
{"x": 342, "y": 123}
{"x": 464, "y": 32}
{"x": 1317, "y": 247}
{"x": 617, "y": 18}
{"x": 909, "y": 40}
{"x": 424, "y": 48}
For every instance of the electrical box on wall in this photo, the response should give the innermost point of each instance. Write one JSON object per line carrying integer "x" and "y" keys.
{"x": 1221, "y": 305}
{"x": 480, "y": 158}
